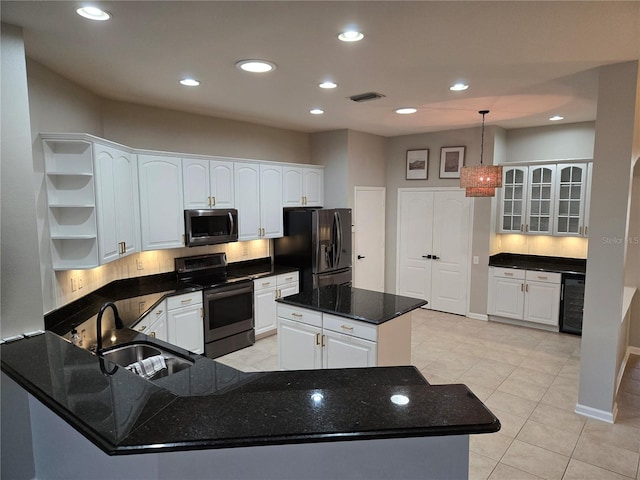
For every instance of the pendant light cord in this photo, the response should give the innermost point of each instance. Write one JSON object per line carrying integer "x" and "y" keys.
{"x": 483, "y": 113}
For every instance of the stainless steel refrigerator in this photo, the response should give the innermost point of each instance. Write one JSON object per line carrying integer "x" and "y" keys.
{"x": 318, "y": 242}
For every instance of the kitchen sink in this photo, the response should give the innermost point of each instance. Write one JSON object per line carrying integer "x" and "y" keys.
{"x": 125, "y": 355}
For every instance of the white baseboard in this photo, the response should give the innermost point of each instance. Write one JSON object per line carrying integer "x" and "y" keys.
{"x": 597, "y": 414}
{"x": 478, "y": 316}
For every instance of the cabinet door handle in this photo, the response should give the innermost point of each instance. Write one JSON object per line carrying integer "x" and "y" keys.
{"x": 213, "y": 201}
{"x": 142, "y": 328}
{"x": 201, "y": 312}
{"x": 526, "y": 287}
{"x": 159, "y": 312}
{"x": 346, "y": 327}
{"x": 426, "y": 256}
{"x": 435, "y": 257}
{"x": 361, "y": 257}
{"x": 317, "y": 339}
{"x": 526, "y": 227}
{"x": 152, "y": 334}
{"x": 580, "y": 231}
{"x": 586, "y": 231}
{"x": 209, "y": 201}
{"x": 323, "y": 341}
{"x": 522, "y": 287}
{"x": 522, "y": 227}
{"x": 278, "y": 293}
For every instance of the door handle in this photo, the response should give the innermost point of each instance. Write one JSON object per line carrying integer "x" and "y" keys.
{"x": 361, "y": 256}
{"x": 435, "y": 257}
{"x": 426, "y": 256}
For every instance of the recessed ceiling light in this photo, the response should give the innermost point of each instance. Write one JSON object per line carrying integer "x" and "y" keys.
{"x": 190, "y": 82}
{"x": 256, "y": 66}
{"x": 93, "y": 13}
{"x": 555, "y": 118}
{"x": 406, "y": 110}
{"x": 328, "y": 85}
{"x": 458, "y": 87}
{"x": 351, "y": 36}
{"x": 316, "y": 111}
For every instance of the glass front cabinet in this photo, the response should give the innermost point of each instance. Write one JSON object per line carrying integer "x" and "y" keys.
{"x": 545, "y": 199}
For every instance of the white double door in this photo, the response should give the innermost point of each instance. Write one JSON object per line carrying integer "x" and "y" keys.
{"x": 434, "y": 228}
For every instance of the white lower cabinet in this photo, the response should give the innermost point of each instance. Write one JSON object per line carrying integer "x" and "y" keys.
{"x": 528, "y": 295}
{"x": 154, "y": 323}
{"x": 185, "y": 326}
{"x": 265, "y": 291}
{"x": 308, "y": 339}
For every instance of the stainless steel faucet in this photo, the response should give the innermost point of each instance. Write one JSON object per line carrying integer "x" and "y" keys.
{"x": 118, "y": 321}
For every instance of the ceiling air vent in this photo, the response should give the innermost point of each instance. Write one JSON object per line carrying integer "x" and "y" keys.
{"x": 365, "y": 97}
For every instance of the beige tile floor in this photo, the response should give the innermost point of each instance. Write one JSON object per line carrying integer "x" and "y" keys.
{"x": 529, "y": 379}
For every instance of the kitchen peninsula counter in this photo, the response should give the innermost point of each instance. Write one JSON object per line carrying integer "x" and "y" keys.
{"x": 211, "y": 406}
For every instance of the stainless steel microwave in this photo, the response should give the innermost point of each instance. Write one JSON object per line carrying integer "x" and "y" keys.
{"x": 209, "y": 227}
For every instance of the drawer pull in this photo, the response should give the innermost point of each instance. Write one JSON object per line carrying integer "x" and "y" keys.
{"x": 187, "y": 300}
{"x": 346, "y": 327}
{"x": 508, "y": 274}
{"x": 159, "y": 312}
{"x": 288, "y": 279}
{"x": 142, "y": 328}
{"x": 266, "y": 284}
{"x": 542, "y": 277}
{"x": 152, "y": 334}
{"x": 297, "y": 315}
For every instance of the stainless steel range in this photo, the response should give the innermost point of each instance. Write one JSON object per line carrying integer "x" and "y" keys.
{"x": 227, "y": 301}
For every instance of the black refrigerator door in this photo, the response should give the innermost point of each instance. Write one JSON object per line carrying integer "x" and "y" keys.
{"x": 332, "y": 239}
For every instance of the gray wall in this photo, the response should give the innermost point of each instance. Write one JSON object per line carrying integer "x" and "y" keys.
{"x": 554, "y": 142}
{"x": 331, "y": 150}
{"x": 617, "y": 144}
{"x": 21, "y": 307}
{"x": 153, "y": 128}
{"x": 367, "y": 161}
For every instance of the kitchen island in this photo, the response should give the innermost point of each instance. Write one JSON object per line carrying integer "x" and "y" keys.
{"x": 339, "y": 326}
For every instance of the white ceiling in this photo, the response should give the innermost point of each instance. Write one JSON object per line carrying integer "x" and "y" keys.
{"x": 525, "y": 61}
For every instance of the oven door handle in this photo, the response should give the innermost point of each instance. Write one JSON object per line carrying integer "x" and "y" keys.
{"x": 228, "y": 291}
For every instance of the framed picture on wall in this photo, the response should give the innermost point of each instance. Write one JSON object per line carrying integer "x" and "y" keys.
{"x": 417, "y": 164}
{"x": 451, "y": 161}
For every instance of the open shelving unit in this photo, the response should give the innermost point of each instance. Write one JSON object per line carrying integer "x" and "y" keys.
{"x": 71, "y": 201}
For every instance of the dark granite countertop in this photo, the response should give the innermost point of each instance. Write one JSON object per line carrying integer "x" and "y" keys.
{"x": 148, "y": 291}
{"x": 539, "y": 262}
{"x": 355, "y": 303}
{"x": 211, "y": 405}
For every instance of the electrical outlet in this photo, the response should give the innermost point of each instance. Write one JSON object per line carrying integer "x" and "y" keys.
{"x": 476, "y": 260}
{"x": 79, "y": 283}
{"x": 73, "y": 284}
{"x": 139, "y": 265}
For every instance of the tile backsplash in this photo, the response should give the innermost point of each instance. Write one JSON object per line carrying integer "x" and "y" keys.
{"x": 73, "y": 284}
{"x": 571, "y": 247}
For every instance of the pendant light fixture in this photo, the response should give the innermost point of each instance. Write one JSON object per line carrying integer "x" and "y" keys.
{"x": 481, "y": 180}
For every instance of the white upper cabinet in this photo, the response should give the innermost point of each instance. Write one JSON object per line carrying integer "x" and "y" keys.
{"x": 161, "y": 210}
{"x": 513, "y": 200}
{"x": 313, "y": 186}
{"x": 291, "y": 186}
{"x": 258, "y": 198}
{"x": 545, "y": 199}
{"x": 207, "y": 183}
{"x": 247, "y": 188}
{"x": 271, "y": 219}
{"x": 116, "y": 202}
{"x": 221, "y": 182}
{"x": 571, "y": 186}
{"x": 302, "y": 186}
{"x": 539, "y": 217}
